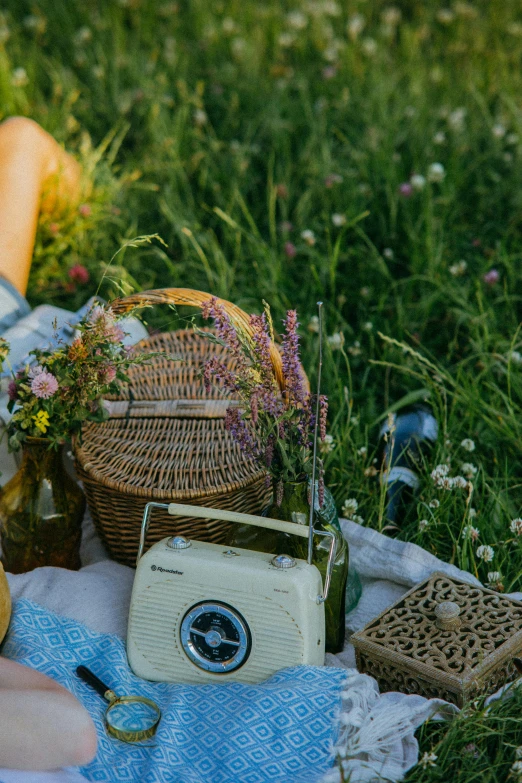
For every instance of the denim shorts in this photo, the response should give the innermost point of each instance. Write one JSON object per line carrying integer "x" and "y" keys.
{"x": 13, "y": 305}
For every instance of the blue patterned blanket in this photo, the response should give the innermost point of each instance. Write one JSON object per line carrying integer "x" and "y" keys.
{"x": 280, "y": 731}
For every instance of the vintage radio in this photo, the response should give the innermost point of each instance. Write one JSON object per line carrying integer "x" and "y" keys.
{"x": 203, "y": 612}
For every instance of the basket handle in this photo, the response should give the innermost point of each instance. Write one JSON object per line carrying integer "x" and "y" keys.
{"x": 188, "y": 296}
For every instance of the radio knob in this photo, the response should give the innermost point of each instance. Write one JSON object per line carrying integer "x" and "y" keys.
{"x": 283, "y": 561}
{"x": 178, "y": 542}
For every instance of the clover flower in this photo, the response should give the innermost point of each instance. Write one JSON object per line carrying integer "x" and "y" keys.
{"x": 417, "y": 181}
{"x": 492, "y": 277}
{"x": 458, "y": 269}
{"x": 338, "y": 219}
{"x": 327, "y": 444}
{"x": 471, "y": 532}
{"x": 468, "y": 469}
{"x": 485, "y": 553}
{"x": 308, "y": 236}
{"x": 423, "y": 524}
{"x": 44, "y": 384}
{"x": 428, "y": 760}
{"x": 516, "y": 526}
{"x": 468, "y": 444}
{"x": 436, "y": 172}
{"x": 349, "y": 508}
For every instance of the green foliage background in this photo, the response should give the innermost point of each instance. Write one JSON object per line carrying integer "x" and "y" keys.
{"x": 213, "y": 124}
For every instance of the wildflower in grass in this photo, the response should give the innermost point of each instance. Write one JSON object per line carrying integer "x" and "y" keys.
{"x": 368, "y": 326}
{"x": 281, "y": 190}
{"x": 78, "y": 274}
{"x": 391, "y": 16}
{"x": 436, "y": 172}
{"x": 355, "y": 26}
{"x": 516, "y": 526}
{"x": 417, "y": 181}
{"x": 349, "y": 508}
{"x": 358, "y": 519}
{"x": 285, "y": 226}
{"x": 423, "y": 524}
{"x": 313, "y": 324}
{"x": 468, "y": 469}
{"x": 439, "y": 473}
{"x": 327, "y": 445}
{"x": 492, "y": 277}
{"x": 459, "y": 482}
{"x": 371, "y": 471}
{"x": 467, "y": 444}
{"x": 85, "y": 210}
{"x": 332, "y": 179}
{"x": 458, "y": 269}
{"x": 473, "y": 513}
{"x": 405, "y": 189}
{"x": 512, "y": 139}
{"x": 518, "y": 752}
{"x": 229, "y": 26}
{"x": 297, "y": 20}
{"x": 338, "y": 219}
{"x": 471, "y": 532}
{"x": 466, "y": 10}
{"x": 369, "y": 46}
{"x": 308, "y": 236}
{"x": 515, "y": 771}
{"x": 363, "y": 451}
{"x": 445, "y": 16}
{"x": 439, "y": 138}
{"x": 498, "y": 131}
{"x": 494, "y": 581}
{"x": 471, "y": 749}
{"x": 428, "y": 760}
{"x": 330, "y": 72}
{"x": 290, "y": 250}
{"x": 515, "y": 357}
{"x": 485, "y": 553}
{"x": 456, "y": 119}
{"x": 388, "y": 253}
{"x": 355, "y": 349}
{"x": 44, "y": 384}
{"x": 434, "y": 503}
{"x": 19, "y": 78}
{"x": 335, "y": 340}
{"x": 200, "y": 118}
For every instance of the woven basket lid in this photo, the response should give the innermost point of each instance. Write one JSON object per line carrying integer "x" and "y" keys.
{"x": 166, "y": 437}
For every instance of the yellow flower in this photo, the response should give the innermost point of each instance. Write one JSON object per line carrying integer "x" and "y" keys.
{"x": 41, "y": 421}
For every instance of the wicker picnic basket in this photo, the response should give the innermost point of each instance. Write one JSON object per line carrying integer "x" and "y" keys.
{"x": 165, "y": 441}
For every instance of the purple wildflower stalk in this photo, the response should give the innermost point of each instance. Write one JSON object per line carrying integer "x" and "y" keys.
{"x": 323, "y": 413}
{"x": 238, "y": 428}
{"x": 295, "y": 393}
{"x": 214, "y": 368}
{"x": 279, "y": 492}
{"x": 224, "y": 327}
{"x": 268, "y": 392}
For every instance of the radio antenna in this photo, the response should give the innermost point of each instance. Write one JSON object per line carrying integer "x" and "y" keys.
{"x": 316, "y": 432}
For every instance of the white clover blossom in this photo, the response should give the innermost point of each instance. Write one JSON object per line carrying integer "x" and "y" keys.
{"x": 369, "y": 46}
{"x": 327, "y": 445}
{"x": 456, "y": 119}
{"x": 498, "y": 131}
{"x": 371, "y": 471}
{"x": 515, "y": 357}
{"x": 423, "y": 524}
{"x": 338, "y": 219}
{"x": 359, "y": 520}
{"x": 297, "y": 20}
{"x": 470, "y": 532}
{"x": 516, "y": 526}
{"x": 417, "y": 181}
{"x": 335, "y": 340}
{"x": 468, "y": 469}
{"x": 200, "y": 117}
{"x": 355, "y": 349}
{"x": 494, "y": 577}
{"x": 458, "y": 269}
{"x": 350, "y": 506}
{"x": 313, "y": 324}
{"x": 368, "y": 326}
{"x": 308, "y": 236}
{"x": 445, "y": 16}
{"x": 355, "y": 25}
{"x": 19, "y": 78}
{"x": 428, "y": 760}
{"x": 363, "y": 451}
{"x": 439, "y": 138}
{"x": 468, "y": 444}
{"x": 516, "y": 770}
{"x": 436, "y": 172}
{"x": 473, "y": 513}
{"x": 512, "y": 138}
{"x": 388, "y": 253}
{"x": 485, "y": 553}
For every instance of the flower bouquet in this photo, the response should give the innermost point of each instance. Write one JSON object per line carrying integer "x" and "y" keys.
{"x": 275, "y": 428}
{"x": 41, "y": 507}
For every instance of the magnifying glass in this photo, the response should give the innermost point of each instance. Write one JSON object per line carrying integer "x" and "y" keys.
{"x": 128, "y": 718}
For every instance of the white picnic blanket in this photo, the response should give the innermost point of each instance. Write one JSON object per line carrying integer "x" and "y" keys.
{"x": 377, "y": 730}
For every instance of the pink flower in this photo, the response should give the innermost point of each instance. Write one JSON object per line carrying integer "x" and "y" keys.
{"x": 405, "y": 189}
{"x": 290, "y": 250}
{"x": 285, "y": 226}
{"x": 332, "y": 179}
{"x": 107, "y": 374}
{"x": 492, "y": 277}
{"x": 44, "y": 385}
{"x": 78, "y": 273}
{"x": 85, "y": 210}
{"x": 329, "y": 72}
{"x": 11, "y": 390}
{"x": 54, "y": 228}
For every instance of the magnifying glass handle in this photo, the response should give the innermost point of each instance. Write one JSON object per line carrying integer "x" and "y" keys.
{"x": 91, "y": 679}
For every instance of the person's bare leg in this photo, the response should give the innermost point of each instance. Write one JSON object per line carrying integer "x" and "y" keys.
{"x": 36, "y": 174}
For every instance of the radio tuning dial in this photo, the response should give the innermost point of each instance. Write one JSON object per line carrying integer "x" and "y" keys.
{"x": 215, "y": 637}
{"x": 178, "y": 542}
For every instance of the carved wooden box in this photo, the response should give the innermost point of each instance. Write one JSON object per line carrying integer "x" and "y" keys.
{"x": 445, "y": 639}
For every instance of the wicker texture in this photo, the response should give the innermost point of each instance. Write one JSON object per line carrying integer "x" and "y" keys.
{"x": 166, "y": 441}
{"x": 405, "y": 649}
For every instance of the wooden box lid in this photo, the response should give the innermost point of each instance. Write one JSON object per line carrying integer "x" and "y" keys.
{"x": 445, "y": 638}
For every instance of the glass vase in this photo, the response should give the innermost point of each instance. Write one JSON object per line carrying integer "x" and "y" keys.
{"x": 295, "y": 508}
{"x": 41, "y": 512}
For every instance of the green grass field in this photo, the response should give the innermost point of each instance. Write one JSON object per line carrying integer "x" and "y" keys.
{"x": 366, "y": 155}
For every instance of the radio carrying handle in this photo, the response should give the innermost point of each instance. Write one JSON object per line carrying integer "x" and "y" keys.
{"x": 201, "y": 512}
